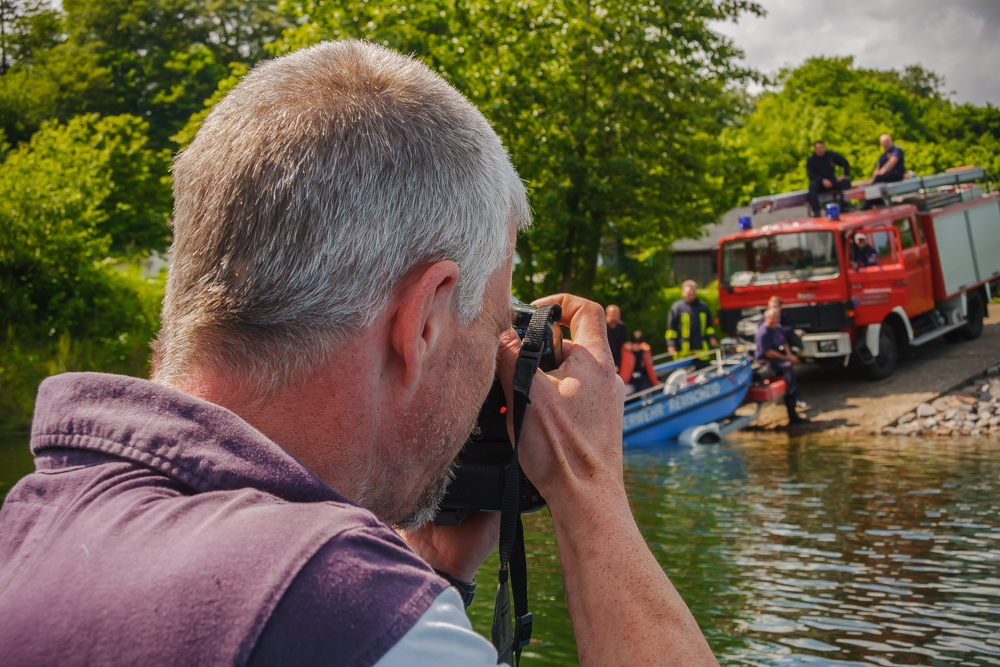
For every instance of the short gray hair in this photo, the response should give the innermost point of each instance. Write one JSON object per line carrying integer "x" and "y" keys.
{"x": 771, "y": 311}
{"x": 312, "y": 188}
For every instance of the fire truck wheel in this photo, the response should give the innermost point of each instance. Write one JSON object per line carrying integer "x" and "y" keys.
{"x": 976, "y": 311}
{"x": 884, "y": 364}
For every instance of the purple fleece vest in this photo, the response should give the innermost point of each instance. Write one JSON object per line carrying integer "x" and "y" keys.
{"x": 160, "y": 529}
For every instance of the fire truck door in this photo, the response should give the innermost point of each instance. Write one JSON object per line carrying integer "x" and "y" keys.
{"x": 916, "y": 258}
{"x": 879, "y": 287}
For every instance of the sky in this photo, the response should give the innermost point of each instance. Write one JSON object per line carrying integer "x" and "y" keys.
{"x": 957, "y": 38}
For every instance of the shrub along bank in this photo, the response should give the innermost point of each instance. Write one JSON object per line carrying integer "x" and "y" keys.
{"x": 75, "y": 204}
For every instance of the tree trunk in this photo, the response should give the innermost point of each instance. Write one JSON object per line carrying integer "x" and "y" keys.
{"x": 527, "y": 286}
{"x": 587, "y": 270}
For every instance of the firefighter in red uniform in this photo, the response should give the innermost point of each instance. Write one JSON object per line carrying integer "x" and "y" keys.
{"x": 689, "y": 325}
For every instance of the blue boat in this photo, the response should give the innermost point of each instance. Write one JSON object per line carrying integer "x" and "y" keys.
{"x": 710, "y": 395}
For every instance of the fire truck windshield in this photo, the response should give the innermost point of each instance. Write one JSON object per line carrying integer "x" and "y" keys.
{"x": 780, "y": 258}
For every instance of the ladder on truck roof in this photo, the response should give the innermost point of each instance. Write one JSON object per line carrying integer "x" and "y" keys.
{"x": 877, "y": 191}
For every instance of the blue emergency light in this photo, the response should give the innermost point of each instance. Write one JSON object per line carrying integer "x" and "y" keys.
{"x": 833, "y": 211}
{"x": 746, "y": 222}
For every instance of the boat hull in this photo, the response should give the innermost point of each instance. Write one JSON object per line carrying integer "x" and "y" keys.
{"x": 663, "y": 417}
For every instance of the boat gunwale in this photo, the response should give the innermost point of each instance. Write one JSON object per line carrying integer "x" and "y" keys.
{"x": 654, "y": 397}
{"x": 722, "y": 396}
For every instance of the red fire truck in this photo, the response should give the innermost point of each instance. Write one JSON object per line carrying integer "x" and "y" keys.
{"x": 936, "y": 249}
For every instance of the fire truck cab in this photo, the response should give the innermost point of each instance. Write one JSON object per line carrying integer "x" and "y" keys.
{"x": 933, "y": 253}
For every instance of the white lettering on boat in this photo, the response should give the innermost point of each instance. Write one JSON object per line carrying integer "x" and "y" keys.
{"x": 660, "y": 408}
{"x": 696, "y": 395}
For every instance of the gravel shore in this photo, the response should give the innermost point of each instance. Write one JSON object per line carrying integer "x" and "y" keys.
{"x": 971, "y": 410}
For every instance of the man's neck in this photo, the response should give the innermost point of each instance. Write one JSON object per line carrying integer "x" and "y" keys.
{"x": 322, "y": 421}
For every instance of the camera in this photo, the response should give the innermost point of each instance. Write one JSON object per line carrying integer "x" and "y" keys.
{"x": 481, "y": 466}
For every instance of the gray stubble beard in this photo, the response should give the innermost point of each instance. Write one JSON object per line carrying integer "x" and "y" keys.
{"x": 429, "y": 501}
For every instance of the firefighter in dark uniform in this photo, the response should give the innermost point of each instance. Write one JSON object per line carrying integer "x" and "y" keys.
{"x": 772, "y": 348}
{"x": 689, "y": 325}
{"x": 822, "y": 174}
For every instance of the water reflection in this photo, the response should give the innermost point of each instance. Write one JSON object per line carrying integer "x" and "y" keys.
{"x": 817, "y": 551}
{"x": 869, "y": 552}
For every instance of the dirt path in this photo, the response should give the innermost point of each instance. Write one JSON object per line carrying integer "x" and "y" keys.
{"x": 841, "y": 402}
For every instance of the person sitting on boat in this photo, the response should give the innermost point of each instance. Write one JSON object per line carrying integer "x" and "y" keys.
{"x": 772, "y": 348}
{"x": 863, "y": 253}
{"x": 689, "y": 325}
{"x": 788, "y": 330}
{"x": 617, "y": 334}
{"x": 337, "y": 307}
{"x": 637, "y": 368}
{"x": 787, "y": 327}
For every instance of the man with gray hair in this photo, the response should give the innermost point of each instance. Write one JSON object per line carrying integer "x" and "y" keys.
{"x": 334, "y": 313}
{"x": 890, "y": 166}
{"x": 772, "y": 348}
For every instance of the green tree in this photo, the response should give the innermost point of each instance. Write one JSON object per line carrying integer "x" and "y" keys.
{"x": 612, "y": 113}
{"x": 26, "y": 26}
{"x": 850, "y": 108}
{"x": 66, "y": 199}
{"x": 155, "y": 59}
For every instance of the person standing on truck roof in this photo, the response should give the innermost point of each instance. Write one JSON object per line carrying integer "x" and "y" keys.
{"x": 637, "y": 370}
{"x": 773, "y": 348}
{"x": 890, "y": 167}
{"x": 689, "y": 325}
{"x": 617, "y": 335}
{"x": 821, "y": 168}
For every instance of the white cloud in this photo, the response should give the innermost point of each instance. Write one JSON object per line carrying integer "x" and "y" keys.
{"x": 956, "y": 38}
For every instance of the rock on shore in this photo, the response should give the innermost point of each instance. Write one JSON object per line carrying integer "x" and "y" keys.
{"x": 971, "y": 410}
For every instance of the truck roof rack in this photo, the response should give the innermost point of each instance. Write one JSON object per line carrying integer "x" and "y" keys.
{"x": 870, "y": 192}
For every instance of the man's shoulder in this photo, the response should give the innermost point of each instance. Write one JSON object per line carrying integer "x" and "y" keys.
{"x": 355, "y": 598}
{"x": 210, "y": 566}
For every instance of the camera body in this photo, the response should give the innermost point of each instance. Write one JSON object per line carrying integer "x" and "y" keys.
{"x": 481, "y": 465}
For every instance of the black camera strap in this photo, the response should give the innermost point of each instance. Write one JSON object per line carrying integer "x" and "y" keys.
{"x": 510, "y": 635}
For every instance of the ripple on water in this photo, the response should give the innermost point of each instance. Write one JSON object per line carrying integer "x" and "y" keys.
{"x": 908, "y": 570}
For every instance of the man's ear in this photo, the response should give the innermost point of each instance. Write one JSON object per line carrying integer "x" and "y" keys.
{"x": 424, "y": 309}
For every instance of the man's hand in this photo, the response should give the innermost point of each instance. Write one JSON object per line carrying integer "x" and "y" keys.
{"x": 457, "y": 550}
{"x": 827, "y": 183}
{"x": 623, "y": 608}
{"x": 713, "y": 342}
{"x": 573, "y": 429}
{"x": 792, "y": 358}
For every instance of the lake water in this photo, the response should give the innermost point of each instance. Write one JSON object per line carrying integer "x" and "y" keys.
{"x": 814, "y": 551}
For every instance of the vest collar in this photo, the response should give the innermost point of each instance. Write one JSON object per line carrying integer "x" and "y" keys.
{"x": 198, "y": 443}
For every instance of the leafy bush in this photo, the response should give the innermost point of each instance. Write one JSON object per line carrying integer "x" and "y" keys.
{"x": 68, "y": 199}
{"x": 65, "y": 199}
{"x": 26, "y": 361}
